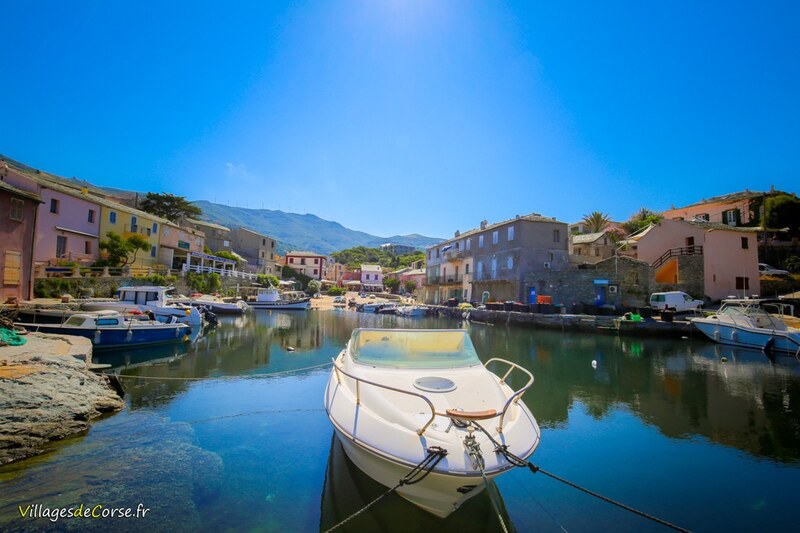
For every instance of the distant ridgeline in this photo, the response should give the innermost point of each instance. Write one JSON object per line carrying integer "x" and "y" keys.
{"x": 302, "y": 232}
{"x": 361, "y": 254}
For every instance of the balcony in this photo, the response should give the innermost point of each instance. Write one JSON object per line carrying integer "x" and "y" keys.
{"x": 444, "y": 280}
{"x": 498, "y": 275}
{"x": 453, "y": 255}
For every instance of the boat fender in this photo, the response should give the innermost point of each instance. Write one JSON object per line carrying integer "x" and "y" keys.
{"x": 716, "y": 335}
{"x": 769, "y": 346}
{"x": 129, "y": 335}
{"x": 733, "y": 335}
{"x": 96, "y": 339}
{"x": 290, "y": 348}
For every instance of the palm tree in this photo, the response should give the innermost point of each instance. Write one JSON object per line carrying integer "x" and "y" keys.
{"x": 596, "y": 221}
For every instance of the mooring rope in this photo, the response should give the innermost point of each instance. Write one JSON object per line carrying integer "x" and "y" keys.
{"x": 417, "y": 474}
{"x": 223, "y": 378}
{"x": 516, "y": 461}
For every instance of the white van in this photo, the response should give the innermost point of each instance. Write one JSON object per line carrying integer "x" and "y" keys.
{"x": 674, "y": 301}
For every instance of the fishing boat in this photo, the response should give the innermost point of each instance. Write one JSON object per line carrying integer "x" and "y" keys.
{"x": 412, "y": 310}
{"x": 272, "y": 298}
{"x": 752, "y": 323}
{"x": 110, "y": 329}
{"x": 395, "y": 396}
{"x": 144, "y": 299}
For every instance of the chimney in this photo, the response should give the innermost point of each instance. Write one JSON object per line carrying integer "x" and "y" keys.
{"x": 457, "y": 233}
{"x": 483, "y": 224}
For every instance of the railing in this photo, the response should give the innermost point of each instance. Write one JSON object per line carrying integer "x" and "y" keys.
{"x": 444, "y": 280}
{"x": 514, "y": 398}
{"x": 129, "y": 271}
{"x": 453, "y": 255}
{"x": 677, "y": 252}
{"x": 500, "y": 274}
{"x": 221, "y": 271}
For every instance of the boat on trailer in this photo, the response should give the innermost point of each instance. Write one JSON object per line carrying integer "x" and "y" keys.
{"x": 396, "y": 395}
{"x": 752, "y": 323}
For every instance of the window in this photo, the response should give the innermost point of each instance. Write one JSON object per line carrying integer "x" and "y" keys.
{"x": 91, "y": 216}
{"x": 556, "y": 235}
{"x": 17, "y": 209}
{"x": 302, "y": 260}
{"x": 272, "y": 256}
{"x": 112, "y": 217}
{"x": 745, "y": 243}
{"x": 742, "y": 283}
{"x": 12, "y": 270}
{"x": 494, "y": 268}
{"x": 155, "y": 227}
{"x": 480, "y": 241}
{"x": 226, "y": 244}
{"x": 273, "y": 244}
{"x": 148, "y": 232}
{"x": 730, "y": 217}
{"x": 152, "y": 251}
{"x": 134, "y": 226}
{"x": 480, "y": 269}
{"x": 316, "y": 261}
{"x": 510, "y": 233}
{"x": 87, "y": 247}
{"x": 429, "y": 255}
{"x": 704, "y": 216}
{"x": 510, "y": 262}
{"x": 291, "y": 260}
{"x": 689, "y": 241}
{"x": 61, "y": 246}
{"x": 263, "y": 242}
{"x": 597, "y": 252}
{"x": 552, "y": 256}
{"x": 495, "y": 236}
{"x": 469, "y": 244}
{"x": 53, "y": 205}
{"x": 437, "y": 253}
{"x": 315, "y": 271}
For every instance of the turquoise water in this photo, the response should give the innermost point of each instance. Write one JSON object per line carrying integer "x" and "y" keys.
{"x": 702, "y": 436}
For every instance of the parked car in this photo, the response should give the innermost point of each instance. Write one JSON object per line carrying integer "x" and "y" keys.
{"x": 766, "y": 270}
{"x": 339, "y": 300}
{"x": 674, "y": 301}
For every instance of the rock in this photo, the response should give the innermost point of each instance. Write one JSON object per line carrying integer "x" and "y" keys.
{"x": 47, "y": 392}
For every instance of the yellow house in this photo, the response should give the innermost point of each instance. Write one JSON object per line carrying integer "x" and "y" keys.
{"x": 126, "y": 221}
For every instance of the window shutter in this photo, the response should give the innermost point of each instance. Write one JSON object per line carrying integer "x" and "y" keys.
{"x": 12, "y": 273}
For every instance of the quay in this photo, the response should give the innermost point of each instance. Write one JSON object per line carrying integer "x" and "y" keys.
{"x": 572, "y": 322}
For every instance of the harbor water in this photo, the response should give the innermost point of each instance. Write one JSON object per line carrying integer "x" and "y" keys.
{"x": 229, "y": 434}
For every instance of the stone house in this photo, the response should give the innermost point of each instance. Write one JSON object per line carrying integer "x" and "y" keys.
{"x": 592, "y": 247}
{"x": 257, "y": 249}
{"x": 490, "y": 262}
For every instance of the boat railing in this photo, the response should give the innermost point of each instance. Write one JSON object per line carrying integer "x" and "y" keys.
{"x": 516, "y": 396}
{"x": 387, "y": 387}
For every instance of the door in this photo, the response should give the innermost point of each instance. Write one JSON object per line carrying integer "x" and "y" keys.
{"x": 12, "y": 271}
{"x": 61, "y": 247}
{"x": 599, "y": 295}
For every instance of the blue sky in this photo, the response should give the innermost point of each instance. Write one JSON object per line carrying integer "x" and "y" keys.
{"x": 404, "y": 116}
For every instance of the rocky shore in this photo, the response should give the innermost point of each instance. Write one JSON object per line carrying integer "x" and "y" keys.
{"x": 48, "y": 392}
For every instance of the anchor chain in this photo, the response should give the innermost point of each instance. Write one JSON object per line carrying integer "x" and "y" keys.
{"x": 417, "y": 474}
{"x": 476, "y": 457}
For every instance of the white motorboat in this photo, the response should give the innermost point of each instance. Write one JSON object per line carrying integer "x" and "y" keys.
{"x": 272, "y": 298}
{"x": 412, "y": 310}
{"x": 216, "y": 305}
{"x": 752, "y": 323}
{"x": 395, "y": 395}
{"x": 144, "y": 299}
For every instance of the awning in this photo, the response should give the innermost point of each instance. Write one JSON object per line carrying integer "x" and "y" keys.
{"x": 445, "y": 248}
{"x": 354, "y": 282}
{"x": 59, "y": 228}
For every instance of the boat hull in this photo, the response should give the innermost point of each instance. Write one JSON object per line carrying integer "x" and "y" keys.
{"x": 297, "y": 306}
{"x": 437, "y": 493}
{"x": 759, "y": 339}
{"x": 186, "y": 315}
{"x": 110, "y": 338}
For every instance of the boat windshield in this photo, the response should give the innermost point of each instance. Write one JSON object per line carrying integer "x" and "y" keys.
{"x": 403, "y": 348}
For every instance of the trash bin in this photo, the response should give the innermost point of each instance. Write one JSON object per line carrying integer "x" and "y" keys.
{"x": 452, "y": 302}
{"x": 667, "y": 316}
{"x": 522, "y": 308}
{"x": 508, "y": 306}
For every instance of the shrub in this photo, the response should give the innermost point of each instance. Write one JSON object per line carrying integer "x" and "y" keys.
{"x": 337, "y": 291}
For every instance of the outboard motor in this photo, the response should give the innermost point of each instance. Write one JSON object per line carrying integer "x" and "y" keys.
{"x": 210, "y": 317}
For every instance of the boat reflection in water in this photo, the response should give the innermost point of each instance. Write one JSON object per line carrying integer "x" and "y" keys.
{"x": 148, "y": 355}
{"x": 347, "y": 490}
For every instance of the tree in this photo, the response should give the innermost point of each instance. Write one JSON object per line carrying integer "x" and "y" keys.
{"x": 313, "y": 286}
{"x": 266, "y": 280}
{"x": 169, "y": 206}
{"x": 392, "y": 284}
{"x": 230, "y": 255}
{"x": 411, "y": 286}
{"x": 641, "y": 219}
{"x": 120, "y": 248}
{"x": 596, "y": 221}
{"x": 783, "y": 211}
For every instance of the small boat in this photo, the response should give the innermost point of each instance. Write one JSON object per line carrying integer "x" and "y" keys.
{"x": 387, "y": 309}
{"x": 412, "y": 310}
{"x": 216, "y": 305}
{"x": 272, "y": 298}
{"x": 143, "y": 299}
{"x": 110, "y": 329}
{"x": 394, "y": 395}
{"x": 371, "y": 307}
{"x": 752, "y": 323}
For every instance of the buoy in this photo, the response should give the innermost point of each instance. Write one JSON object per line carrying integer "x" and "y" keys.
{"x": 723, "y": 359}
{"x": 289, "y": 349}
{"x": 594, "y": 364}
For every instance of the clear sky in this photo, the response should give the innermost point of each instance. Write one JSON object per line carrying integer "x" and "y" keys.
{"x": 403, "y": 116}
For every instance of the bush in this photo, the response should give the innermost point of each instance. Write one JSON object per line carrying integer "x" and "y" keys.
{"x": 205, "y": 283}
{"x": 337, "y": 291}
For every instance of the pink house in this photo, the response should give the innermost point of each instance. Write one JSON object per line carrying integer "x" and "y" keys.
{"x": 18, "y": 210}
{"x": 372, "y": 278}
{"x": 417, "y": 276}
{"x": 68, "y": 222}
{"x": 721, "y": 259}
